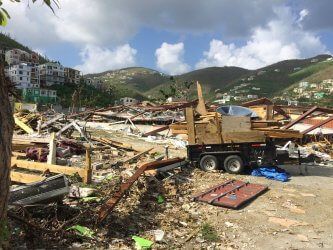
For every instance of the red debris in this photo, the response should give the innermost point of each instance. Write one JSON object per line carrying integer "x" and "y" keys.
{"x": 231, "y": 194}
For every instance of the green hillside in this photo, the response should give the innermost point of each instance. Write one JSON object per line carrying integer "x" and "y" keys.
{"x": 267, "y": 81}
{"x": 275, "y": 78}
{"x": 138, "y": 78}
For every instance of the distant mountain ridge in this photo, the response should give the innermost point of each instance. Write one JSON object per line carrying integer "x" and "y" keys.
{"x": 271, "y": 80}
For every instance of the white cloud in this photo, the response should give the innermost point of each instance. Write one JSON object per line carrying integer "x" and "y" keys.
{"x": 283, "y": 38}
{"x": 169, "y": 58}
{"x": 110, "y": 23}
{"x": 302, "y": 14}
{"x": 96, "y": 59}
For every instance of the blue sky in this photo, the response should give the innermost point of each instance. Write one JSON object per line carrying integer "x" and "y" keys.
{"x": 174, "y": 36}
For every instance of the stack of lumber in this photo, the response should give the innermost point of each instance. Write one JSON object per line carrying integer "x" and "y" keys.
{"x": 213, "y": 128}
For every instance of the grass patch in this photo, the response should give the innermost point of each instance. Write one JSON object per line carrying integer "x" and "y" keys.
{"x": 209, "y": 233}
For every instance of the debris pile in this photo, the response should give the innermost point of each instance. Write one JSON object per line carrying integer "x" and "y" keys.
{"x": 117, "y": 176}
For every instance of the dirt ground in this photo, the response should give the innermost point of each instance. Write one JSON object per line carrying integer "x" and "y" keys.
{"x": 293, "y": 215}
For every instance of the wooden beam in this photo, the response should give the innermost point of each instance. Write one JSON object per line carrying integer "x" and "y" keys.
{"x": 155, "y": 131}
{"x": 88, "y": 169}
{"x": 201, "y": 107}
{"x": 51, "y": 158}
{"x": 25, "y": 178}
{"x": 23, "y": 126}
{"x": 190, "y": 125}
{"x": 137, "y": 156}
{"x": 40, "y": 166}
{"x": 300, "y": 118}
{"x": 318, "y": 125}
{"x": 48, "y": 123}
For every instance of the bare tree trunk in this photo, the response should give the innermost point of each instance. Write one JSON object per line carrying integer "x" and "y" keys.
{"x": 6, "y": 133}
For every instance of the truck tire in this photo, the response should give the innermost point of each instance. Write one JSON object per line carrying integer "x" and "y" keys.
{"x": 233, "y": 164}
{"x": 209, "y": 163}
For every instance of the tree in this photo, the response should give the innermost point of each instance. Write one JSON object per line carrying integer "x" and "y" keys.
{"x": 177, "y": 89}
{"x": 6, "y": 133}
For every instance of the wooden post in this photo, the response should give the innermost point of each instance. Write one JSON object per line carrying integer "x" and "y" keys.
{"x": 51, "y": 158}
{"x": 88, "y": 168}
{"x": 190, "y": 125}
{"x": 218, "y": 128}
{"x": 201, "y": 107}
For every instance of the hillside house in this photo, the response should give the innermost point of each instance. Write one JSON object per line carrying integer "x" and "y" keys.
{"x": 328, "y": 81}
{"x": 17, "y": 56}
{"x": 128, "y": 101}
{"x": 303, "y": 84}
{"x": 94, "y": 81}
{"x": 292, "y": 103}
{"x": 72, "y": 75}
{"x": 23, "y": 75}
{"x": 319, "y": 95}
{"x": 51, "y": 73}
{"x": 298, "y": 90}
{"x": 37, "y": 95}
{"x": 252, "y": 96}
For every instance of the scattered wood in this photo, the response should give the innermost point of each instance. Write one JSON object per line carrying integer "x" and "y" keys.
{"x": 23, "y": 126}
{"x": 85, "y": 173}
{"x": 135, "y": 157}
{"x": 155, "y": 131}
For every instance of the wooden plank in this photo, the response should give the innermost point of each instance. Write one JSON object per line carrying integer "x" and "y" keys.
{"x": 51, "y": 158}
{"x": 190, "y": 125}
{"x": 239, "y": 137}
{"x": 48, "y": 123}
{"x": 236, "y": 124}
{"x": 23, "y": 126}
{"x": 178, "y": 126}
{"x": 137, "y": 156}
{"x": 179, "y": 131}
{"x": 279, "y": 133}
{"x": 156, "y": 130}
{"x": 39, "y": 166}
{"x": 18, "y": 154}
{"x": 87, "y": 173}
{"x": 24, "y": 178}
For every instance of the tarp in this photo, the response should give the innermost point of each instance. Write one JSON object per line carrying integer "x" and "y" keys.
{"x": 234, "y": 110}
{"x": 274, "y": 173}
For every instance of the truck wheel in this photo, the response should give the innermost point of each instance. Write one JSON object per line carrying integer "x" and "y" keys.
{"x": 209, "y": 163}
{"x": 233, "y": 164}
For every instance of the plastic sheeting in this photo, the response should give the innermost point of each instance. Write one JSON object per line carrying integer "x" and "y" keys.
{"x": 234, "y": 110}
{"x": 274, "y": 173}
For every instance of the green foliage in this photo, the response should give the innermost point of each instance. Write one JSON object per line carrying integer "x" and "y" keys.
{"x": 89, "y": 95}
{"x": 209, "y": 233}
{"x": 177, "y": 89}
{"x": 4, "y": 15}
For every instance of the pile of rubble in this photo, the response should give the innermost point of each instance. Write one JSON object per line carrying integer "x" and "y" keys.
{"x": 69, "y": 172}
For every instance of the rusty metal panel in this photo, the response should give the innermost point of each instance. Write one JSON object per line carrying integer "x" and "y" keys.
{"x": 231, "y": 194}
